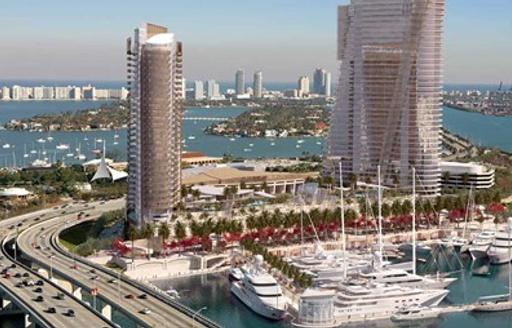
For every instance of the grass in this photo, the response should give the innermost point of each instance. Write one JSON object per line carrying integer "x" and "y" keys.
{"x": 75, "y": 236}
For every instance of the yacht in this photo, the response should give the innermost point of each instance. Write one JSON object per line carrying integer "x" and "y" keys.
{"x": 232, "y": 139}
{"x": 62, "y": 147}
{"x": 300, "y": 141}
{"x": 495, "y": 303}
{"x": 40, "y": 163}
{"x": 33, "y": 151}
{"x": 50, "y": 138}
{"x": 481, "y": 244}
{"x": 41, "y": 140}
{"x": 191, "y": 138}
{"x": 355, "y": 303}
{"x": 454, "y": 241}
{"x": 499, "y": 251}
{"x": 6, "y": 146}
{"x": 235, "y": 274}
{"x": 403, "y": 278}
{"x": 173, "y": 293}
{"x": 260, "y": 292}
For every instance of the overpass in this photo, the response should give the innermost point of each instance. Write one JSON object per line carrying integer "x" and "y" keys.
{"x": 40, "y": 245}
{"x": 20, "y": 299}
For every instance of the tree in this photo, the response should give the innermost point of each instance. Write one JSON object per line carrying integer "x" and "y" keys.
{"x": 406, "y": 207}
{"x": 179, "y": 230}
{"x": 163, "y": 231}
{"x": 396, "y": 207}
{"x": 386, "y": 210}
{"x": 147, "y": 231}
{"x": 352, "y": 178}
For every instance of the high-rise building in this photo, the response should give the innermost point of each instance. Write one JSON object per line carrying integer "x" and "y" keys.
{"x": 319, "y": 81}
{"x": 62, "y": 92}
{"x": 388, "y": 106}
{"x": 21, "y": 93}
{"x": 6, "y": 93}
{"x": 76, "y": 93}
{"x": 303, "y": 86}
{"x": 327, "y": 84}
{"x": 198, "y": 90}
{"x": 154, "y": 132}
{"x": 258, "y": 85}
{"x": 212, "y": 90}
{"x": 89, "y": 92}
{"x": 240, "y": 82}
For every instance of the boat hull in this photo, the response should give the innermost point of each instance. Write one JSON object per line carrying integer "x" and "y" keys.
{"x": 255, "y": 304}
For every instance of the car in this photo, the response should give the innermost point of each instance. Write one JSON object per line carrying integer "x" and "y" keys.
{"x": 102, "y": 203}
{"x": 145, "y": 311}
{"x": 39, "y": 299}
{"x": 37, "y": 219}
{"x": 13, "y": 265}
{"x": 60, "y": 296}
{"x": 39, "y": 283}
{"x": 143, "y": 296}
{"x": 1, "y": 257}
{"x": 28, "y": 283}
{"x": 87, "y": 215}
{"x": 92, "y": 271}
{"x": 19, "y": 285}
{"x": 19, "y": 224}
{"x": 7, "y": 275}
{"x": 26, "y": 275}
{"x": 4, "y": 271}
{"x": 56, "y": 208}
{"x": 11, "y": 227}
{"x": 94, "y": 278}
{"x": 129, "y": 296}
{"x": 42, "y": 228}
{"x": 17, "y": 275}
{"x": 112, "y": 281}
{"x": 38, "y": 290}
{"x": 63, "y": 212}
{"x": 37, "y": 247}
{"x": 70, "y": 313}
{"x": 51, "y": 309}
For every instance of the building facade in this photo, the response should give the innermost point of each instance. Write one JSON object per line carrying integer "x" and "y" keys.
{"x": 466, "y": 175}
{"x": 388, "y": 106}
{"x": 257, "y": 87}
{"x": 303, "y": 86}
{"x": 240, "y": 82}
{"x": 154, "y": 132}
{"x": 198, "y": 90}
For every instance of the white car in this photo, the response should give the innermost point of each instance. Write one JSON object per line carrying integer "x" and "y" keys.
{"x": 145, "y": 311}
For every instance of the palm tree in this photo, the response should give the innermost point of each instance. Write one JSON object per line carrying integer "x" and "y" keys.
{"x": 163, "y": 231}
{"x": 353, "y": 181}
{"x": 179, "y": 230}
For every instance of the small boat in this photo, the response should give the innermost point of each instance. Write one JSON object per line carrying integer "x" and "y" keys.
{"x": 115, "y": 143}
{"x": 191, "y": 138}
{"x": 251, "y": 145}
{"x": 41, "y": 140}
{"x": 6, "y": 146}
{"x": 300, "y": 141}
{"x": 43, "y": 152}
{"x": 81, "y": 157}
{"x": 173, "y": 293}
{"x": 25, "y": 155}
{"x": 415, "y": 313}
{"x": 50, "y": 138}
{"x": 247, "y": 150}
{"x": 232, "y": 139}
{"x": 99, "y": 140}
{"x": 297, "y": 146}
{"x": 40, "y": 163}
{"x": 116, "y": 136}
{"x": 62, "y": 147}
{"x": 85, "y": 139}
{"x": 318, "y": 143}
{"x": 69, "y": 155}
{"x": 33, "y": 151}
{"x": 495, "y": 303}
{"x": 272, "y": 143}
{"x": 235, "y": 274}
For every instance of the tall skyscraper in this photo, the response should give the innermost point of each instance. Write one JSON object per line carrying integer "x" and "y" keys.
{"x": 303, "y": 86}
{"x": 198, "y": 90}
{"x": 388, "y": 108}
{"x": 258, "y": 84}
{"x": 327, "y": 84}
{"x": 319, "y": 81}
{"x": 240, "y": 82}
{"x": 212, "y": 89}
{"x": 154, "y": 132}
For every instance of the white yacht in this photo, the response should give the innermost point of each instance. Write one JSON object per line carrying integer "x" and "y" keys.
{"x": 374, "y": 302}
{"x": 499, "y": 250}
{"x": 191, "y": 138}
{"x": 403, "y": 278}
{"x": 481, "y": 244}
{"x": 260, "y": 292}
{"x": 62, "y": 147}
{"x": 6, "y": 146}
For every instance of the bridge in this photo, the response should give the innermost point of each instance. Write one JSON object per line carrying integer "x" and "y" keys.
{"x": 19, "y": 299}
{"x": 88, "y": 283}
{"x": 190, "y": 118}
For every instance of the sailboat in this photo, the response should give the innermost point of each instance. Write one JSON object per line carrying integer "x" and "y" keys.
{"x": 25, "y": 155}
{"x": 498, "y": 303}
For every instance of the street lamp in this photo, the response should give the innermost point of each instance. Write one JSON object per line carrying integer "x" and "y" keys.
{"x": 196, "y": 313}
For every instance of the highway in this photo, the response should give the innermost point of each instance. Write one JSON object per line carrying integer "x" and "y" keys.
{"x": 83, "y": 315}
{"x": 41, "y": 241}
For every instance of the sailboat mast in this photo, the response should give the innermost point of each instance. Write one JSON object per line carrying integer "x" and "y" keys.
{"x": 342, "y": 210}
{"x": 379, "y": 199}
{"x": 414, "y": 220}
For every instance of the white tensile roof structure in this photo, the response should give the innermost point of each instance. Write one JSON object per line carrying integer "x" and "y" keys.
{"x": 103, "y": 171}
{"x": 14, "y": 192}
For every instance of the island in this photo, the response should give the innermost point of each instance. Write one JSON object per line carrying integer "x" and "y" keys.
{"x": 497, "y": 103}
{"x": 273, "y": 121}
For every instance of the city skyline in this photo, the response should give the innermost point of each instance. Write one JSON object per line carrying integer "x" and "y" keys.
{"x": 243, "y": 41}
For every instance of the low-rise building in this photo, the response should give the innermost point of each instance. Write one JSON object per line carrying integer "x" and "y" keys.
{"x": 466, "y": 175}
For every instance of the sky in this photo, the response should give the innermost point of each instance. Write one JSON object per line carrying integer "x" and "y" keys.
{"x": 85, "y": 40}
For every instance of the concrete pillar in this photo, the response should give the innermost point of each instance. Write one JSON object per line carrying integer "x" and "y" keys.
{"x": 106, "y": 311}
{"x": 77, "y": 292}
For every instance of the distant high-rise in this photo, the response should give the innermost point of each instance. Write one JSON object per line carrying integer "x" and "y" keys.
{"x": 212, "y": 89}
{"x": 388, "y": 102}
{"x": 154, "y": 132}
{"x": 303, "y": 86}
{"x": 327, "y": 84}
{"x": 240, "y": 82}
{"x": 258, "y": 85}
{"x": 198, "y": 90}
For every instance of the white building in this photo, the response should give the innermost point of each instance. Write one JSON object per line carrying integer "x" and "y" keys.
{"x": 212, "y": 90}
{"x": 303, "y": 86}
{"x": 6, "y": 93}
{"x": 327, "y": 85}
{"x": 89, "y": 92}
{"x": 76, "y": 93}
{"x": 21, "y": 93}
{"x": 62, "y": 93}
{"x": 466, "y": 175}
{"x": 198, "y": 90}
{"x": 258, "y": 85}
{"x": 388, "y": 99}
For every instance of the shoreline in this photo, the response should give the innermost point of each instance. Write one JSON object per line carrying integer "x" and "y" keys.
{"x": 471, "y": 110}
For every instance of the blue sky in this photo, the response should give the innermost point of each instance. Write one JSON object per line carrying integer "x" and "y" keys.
{"x": 59, "y": 39}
